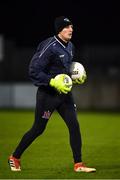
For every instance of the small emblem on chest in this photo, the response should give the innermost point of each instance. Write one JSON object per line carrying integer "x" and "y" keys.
{"x": 61, "y": 56}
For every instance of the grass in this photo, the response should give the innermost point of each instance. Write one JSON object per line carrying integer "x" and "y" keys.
{"x": 50, "y": 156}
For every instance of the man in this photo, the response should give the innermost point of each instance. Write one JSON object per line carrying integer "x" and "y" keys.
{"x": 53, "y": 57}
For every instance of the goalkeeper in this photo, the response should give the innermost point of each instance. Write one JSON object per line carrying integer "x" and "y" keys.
{"x": 52, "y": 59}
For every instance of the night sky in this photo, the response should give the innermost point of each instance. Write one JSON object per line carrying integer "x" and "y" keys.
{"x": 29, "y": 22}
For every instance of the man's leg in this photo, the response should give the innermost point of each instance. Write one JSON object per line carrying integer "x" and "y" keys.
{"x": 68, "y": 113}
{"x": 44, "y": 108}
{"x": 38, "y": 125}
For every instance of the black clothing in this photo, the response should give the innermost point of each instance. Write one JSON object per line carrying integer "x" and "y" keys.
{"x": 47, "y": 102}
{"x": 52, "y": 57}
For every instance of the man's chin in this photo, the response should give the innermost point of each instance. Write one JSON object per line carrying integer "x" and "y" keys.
{"x": 69, "y": 38}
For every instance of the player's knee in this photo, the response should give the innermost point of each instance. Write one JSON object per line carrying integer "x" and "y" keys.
{"x": 74, "y": 126}
{"x": 40, "y": 130}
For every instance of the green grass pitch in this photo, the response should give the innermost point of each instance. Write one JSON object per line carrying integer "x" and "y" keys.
{"x": 50, "y": 156}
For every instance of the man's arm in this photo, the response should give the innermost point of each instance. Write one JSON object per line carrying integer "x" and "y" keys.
{"x": 37, "y": 68}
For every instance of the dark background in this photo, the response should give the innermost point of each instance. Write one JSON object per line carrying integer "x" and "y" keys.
{"x": 24, "y": 24}
{"x": 28, "y": 22}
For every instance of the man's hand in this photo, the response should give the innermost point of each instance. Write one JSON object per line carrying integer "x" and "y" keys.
{"x": 59, "y": 84}
{"x": 80, "y": 80}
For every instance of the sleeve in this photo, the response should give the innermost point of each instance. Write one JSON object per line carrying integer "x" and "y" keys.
{"x": 37, "y": 67}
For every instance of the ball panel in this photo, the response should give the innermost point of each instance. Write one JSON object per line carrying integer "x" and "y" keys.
{"x": 77, "y": 70}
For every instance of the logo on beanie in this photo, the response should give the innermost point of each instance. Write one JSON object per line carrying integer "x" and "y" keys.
{"x": 67, "y": 20}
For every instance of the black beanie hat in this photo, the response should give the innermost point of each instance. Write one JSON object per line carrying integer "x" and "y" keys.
{"x": 60, "y": 23}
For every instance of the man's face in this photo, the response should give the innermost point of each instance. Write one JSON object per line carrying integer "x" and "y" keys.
{"x": 66, "y": 33}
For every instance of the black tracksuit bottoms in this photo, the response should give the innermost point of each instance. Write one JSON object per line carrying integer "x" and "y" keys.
{"x": 46, "y": 102}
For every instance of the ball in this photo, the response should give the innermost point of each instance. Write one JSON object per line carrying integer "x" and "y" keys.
{"x": 77, "y": 70}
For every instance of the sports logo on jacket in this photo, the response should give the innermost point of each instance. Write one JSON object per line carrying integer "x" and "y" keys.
{"x": 46, "y": 114}
{"x": 61, "y": 56}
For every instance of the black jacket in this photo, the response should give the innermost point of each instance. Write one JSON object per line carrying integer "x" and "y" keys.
{"x": 51, "y": 58}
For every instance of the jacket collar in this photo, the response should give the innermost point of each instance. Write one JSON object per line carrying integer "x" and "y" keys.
{"x": 64, "y": 43}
